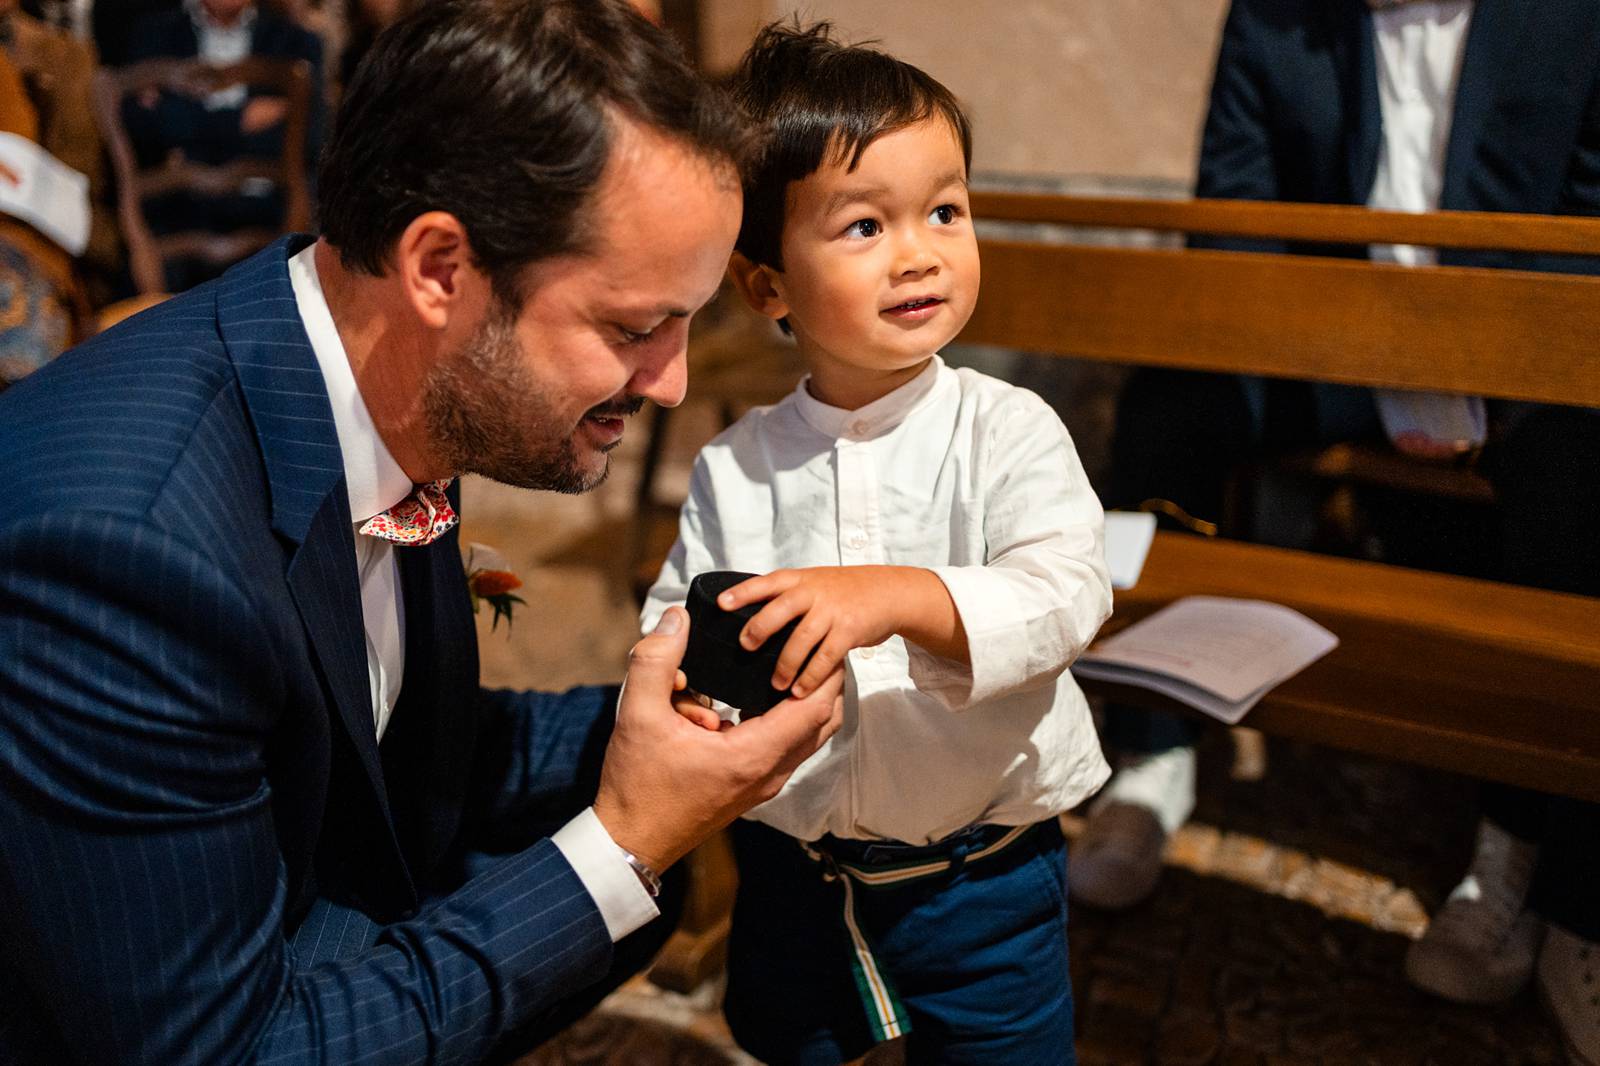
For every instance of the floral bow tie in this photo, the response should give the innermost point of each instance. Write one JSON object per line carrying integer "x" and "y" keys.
{"x": 421, "y": 518}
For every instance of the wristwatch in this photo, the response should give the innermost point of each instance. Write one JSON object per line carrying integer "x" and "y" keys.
{"x": 647, "y": 877}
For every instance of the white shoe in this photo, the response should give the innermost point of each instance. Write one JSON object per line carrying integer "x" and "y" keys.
{"x": 1569, "y": 979}
{"x": 1480, "y": 946}
{"x": 1116, "y": 860}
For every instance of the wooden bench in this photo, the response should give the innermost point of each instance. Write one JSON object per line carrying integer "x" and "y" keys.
{"x": 1483, "y": 678}
{"x": 1477, "y": 677}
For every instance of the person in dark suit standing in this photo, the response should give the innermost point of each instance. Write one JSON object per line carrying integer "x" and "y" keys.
{"x": 255, "y": 805}
{"x": 1492, "y": 105}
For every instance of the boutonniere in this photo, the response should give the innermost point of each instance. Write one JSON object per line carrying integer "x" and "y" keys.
{"x": 490, "y": 580}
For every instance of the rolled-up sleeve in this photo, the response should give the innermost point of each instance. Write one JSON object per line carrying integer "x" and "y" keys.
{"x": 1043, "y": 589}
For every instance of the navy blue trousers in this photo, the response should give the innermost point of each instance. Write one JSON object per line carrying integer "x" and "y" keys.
{"x": 976, "y": 956}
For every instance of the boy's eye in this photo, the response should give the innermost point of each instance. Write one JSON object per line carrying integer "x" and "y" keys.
{"x": 866, "y": 227}
{"x": 944, "y": 214}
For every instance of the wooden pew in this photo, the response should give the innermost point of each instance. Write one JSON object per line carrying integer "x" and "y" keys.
{"x": 1474, "y": 676}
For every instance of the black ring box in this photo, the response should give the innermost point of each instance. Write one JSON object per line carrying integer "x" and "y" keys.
{"x": 715, "y": 663}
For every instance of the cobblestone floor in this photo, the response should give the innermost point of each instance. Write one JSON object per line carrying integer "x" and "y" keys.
{"x": 1277, "y": 934}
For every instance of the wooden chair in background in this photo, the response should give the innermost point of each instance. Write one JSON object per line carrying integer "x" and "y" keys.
{"x": 149, "y": 253}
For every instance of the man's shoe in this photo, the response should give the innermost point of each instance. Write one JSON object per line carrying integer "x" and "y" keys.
{"x": 1569, "y": 981}
{"x": 1480, "y": 946}
{"x": 1116, "y": 860}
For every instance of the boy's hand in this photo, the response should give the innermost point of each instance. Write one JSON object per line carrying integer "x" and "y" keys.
{"x": 844, "y": 607}
{"x": 666, "y": 785}
{"x": 695, "y": 707}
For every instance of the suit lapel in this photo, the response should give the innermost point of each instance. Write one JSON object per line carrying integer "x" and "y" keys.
{"x": 288, "y": 405}
{"x": 1492, "y": 41}
{"x": 1358, "y": 70}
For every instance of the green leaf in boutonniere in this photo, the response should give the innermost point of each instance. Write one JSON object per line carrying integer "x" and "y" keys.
{"x": 490, "y": 580}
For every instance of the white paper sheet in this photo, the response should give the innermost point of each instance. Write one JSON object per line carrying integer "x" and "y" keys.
{"x": 48, "y": 195}
{"x": 1215, "y": 654}
{"x": 1128, "y": 538}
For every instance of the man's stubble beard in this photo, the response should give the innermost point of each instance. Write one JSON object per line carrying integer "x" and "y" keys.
{"x": 487, "y": 415}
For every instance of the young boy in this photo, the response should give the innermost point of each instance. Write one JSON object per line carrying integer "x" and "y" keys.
{"x": 934, "y": 529}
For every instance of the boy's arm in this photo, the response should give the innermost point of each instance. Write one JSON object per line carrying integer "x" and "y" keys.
{"x": 1043, "y": 590}
{"x": 846, "y": 607}
{"x": 972, "y": 632}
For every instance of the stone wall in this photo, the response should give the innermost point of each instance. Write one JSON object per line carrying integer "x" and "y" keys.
{"x": 1058, "y": 89}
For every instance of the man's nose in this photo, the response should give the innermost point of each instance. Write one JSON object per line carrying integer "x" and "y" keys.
{"x": 664, "y": 378}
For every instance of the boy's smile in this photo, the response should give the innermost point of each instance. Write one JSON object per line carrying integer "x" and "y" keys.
{"x": 880, "y": 263}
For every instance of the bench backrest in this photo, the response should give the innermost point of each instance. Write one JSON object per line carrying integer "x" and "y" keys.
{"x": 1512, "y": 334}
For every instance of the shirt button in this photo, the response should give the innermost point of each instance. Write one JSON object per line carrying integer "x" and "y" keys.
{"x": 857, "y": 540}
{"x": 858, "y": 428}
{"x": 867, "y": 653}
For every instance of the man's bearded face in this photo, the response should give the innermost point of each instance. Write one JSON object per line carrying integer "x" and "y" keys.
{"x": 488, "y": 412}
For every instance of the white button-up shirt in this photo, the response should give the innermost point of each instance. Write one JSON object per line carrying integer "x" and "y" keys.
{"x": 977, "y": 481}
{"x": 1419, "y": 48}
{"x": 374, "y": 482}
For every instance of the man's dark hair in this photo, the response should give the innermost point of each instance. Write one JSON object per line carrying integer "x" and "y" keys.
{"x": 501, "y": 112}
{"x": 816, "y": 100}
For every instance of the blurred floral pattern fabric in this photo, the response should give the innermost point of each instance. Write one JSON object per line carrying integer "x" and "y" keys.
{"x": 35, "y": 321}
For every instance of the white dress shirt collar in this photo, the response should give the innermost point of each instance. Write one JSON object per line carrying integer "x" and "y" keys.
{"x": 373, "y": 480}
{"x": 219, "y": 43}
{"x": 876, "y": 418}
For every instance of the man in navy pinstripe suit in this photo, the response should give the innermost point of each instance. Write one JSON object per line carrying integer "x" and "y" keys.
{"x": 254, "y": 806}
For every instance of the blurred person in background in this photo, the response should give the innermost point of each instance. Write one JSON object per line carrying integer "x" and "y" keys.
{"x": 1402, "y": 105}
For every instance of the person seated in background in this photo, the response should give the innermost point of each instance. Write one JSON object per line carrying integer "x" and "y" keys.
{"x": 237, "y": 122}
{"x": 1413, "y": 106}
{"x": 45, "y": 292}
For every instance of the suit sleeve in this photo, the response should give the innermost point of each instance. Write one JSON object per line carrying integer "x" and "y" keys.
{"x": 1236, "y": 161}
{"x": 143, "y": 886}
{"x": 1236, "y": 146}
{"x": 1580, "y": 195}
{"x": 537, "y": 753}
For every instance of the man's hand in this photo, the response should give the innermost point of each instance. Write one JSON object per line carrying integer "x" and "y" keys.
{"x": 845, "y": 607}
{"x": 668, "y": 783}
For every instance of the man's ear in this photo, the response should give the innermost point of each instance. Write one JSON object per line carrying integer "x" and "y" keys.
{"x": 756, "y": 283}
{"x": 436, "y": 270}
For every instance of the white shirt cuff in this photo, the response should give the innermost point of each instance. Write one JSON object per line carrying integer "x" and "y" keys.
{"x": 598, "y": 862}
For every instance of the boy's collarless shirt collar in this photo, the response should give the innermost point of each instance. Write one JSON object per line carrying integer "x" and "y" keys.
{"x": 876, "y": 418}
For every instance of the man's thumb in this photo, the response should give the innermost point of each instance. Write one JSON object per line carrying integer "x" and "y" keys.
{"x": 655, "y": 659}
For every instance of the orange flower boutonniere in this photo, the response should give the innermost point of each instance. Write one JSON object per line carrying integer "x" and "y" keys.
{"x": 490, "y": 580}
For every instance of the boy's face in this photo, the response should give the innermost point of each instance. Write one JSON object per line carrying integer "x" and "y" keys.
{"x": 880, "y": 263}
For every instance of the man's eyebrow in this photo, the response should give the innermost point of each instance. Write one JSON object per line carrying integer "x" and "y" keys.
{"x": 654, "y": 311}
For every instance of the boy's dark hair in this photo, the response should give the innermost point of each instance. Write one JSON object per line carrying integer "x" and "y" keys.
{"x": 500, "y": 113}
{"x": 816, "y": 100}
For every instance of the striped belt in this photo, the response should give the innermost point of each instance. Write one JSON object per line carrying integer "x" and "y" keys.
{"x": 877, "y": 865}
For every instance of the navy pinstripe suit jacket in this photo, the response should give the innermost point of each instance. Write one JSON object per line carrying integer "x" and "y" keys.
{"x": 187, "y": 755}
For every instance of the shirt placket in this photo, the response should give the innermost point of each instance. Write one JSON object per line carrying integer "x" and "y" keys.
{"x": 860, "y": 533}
